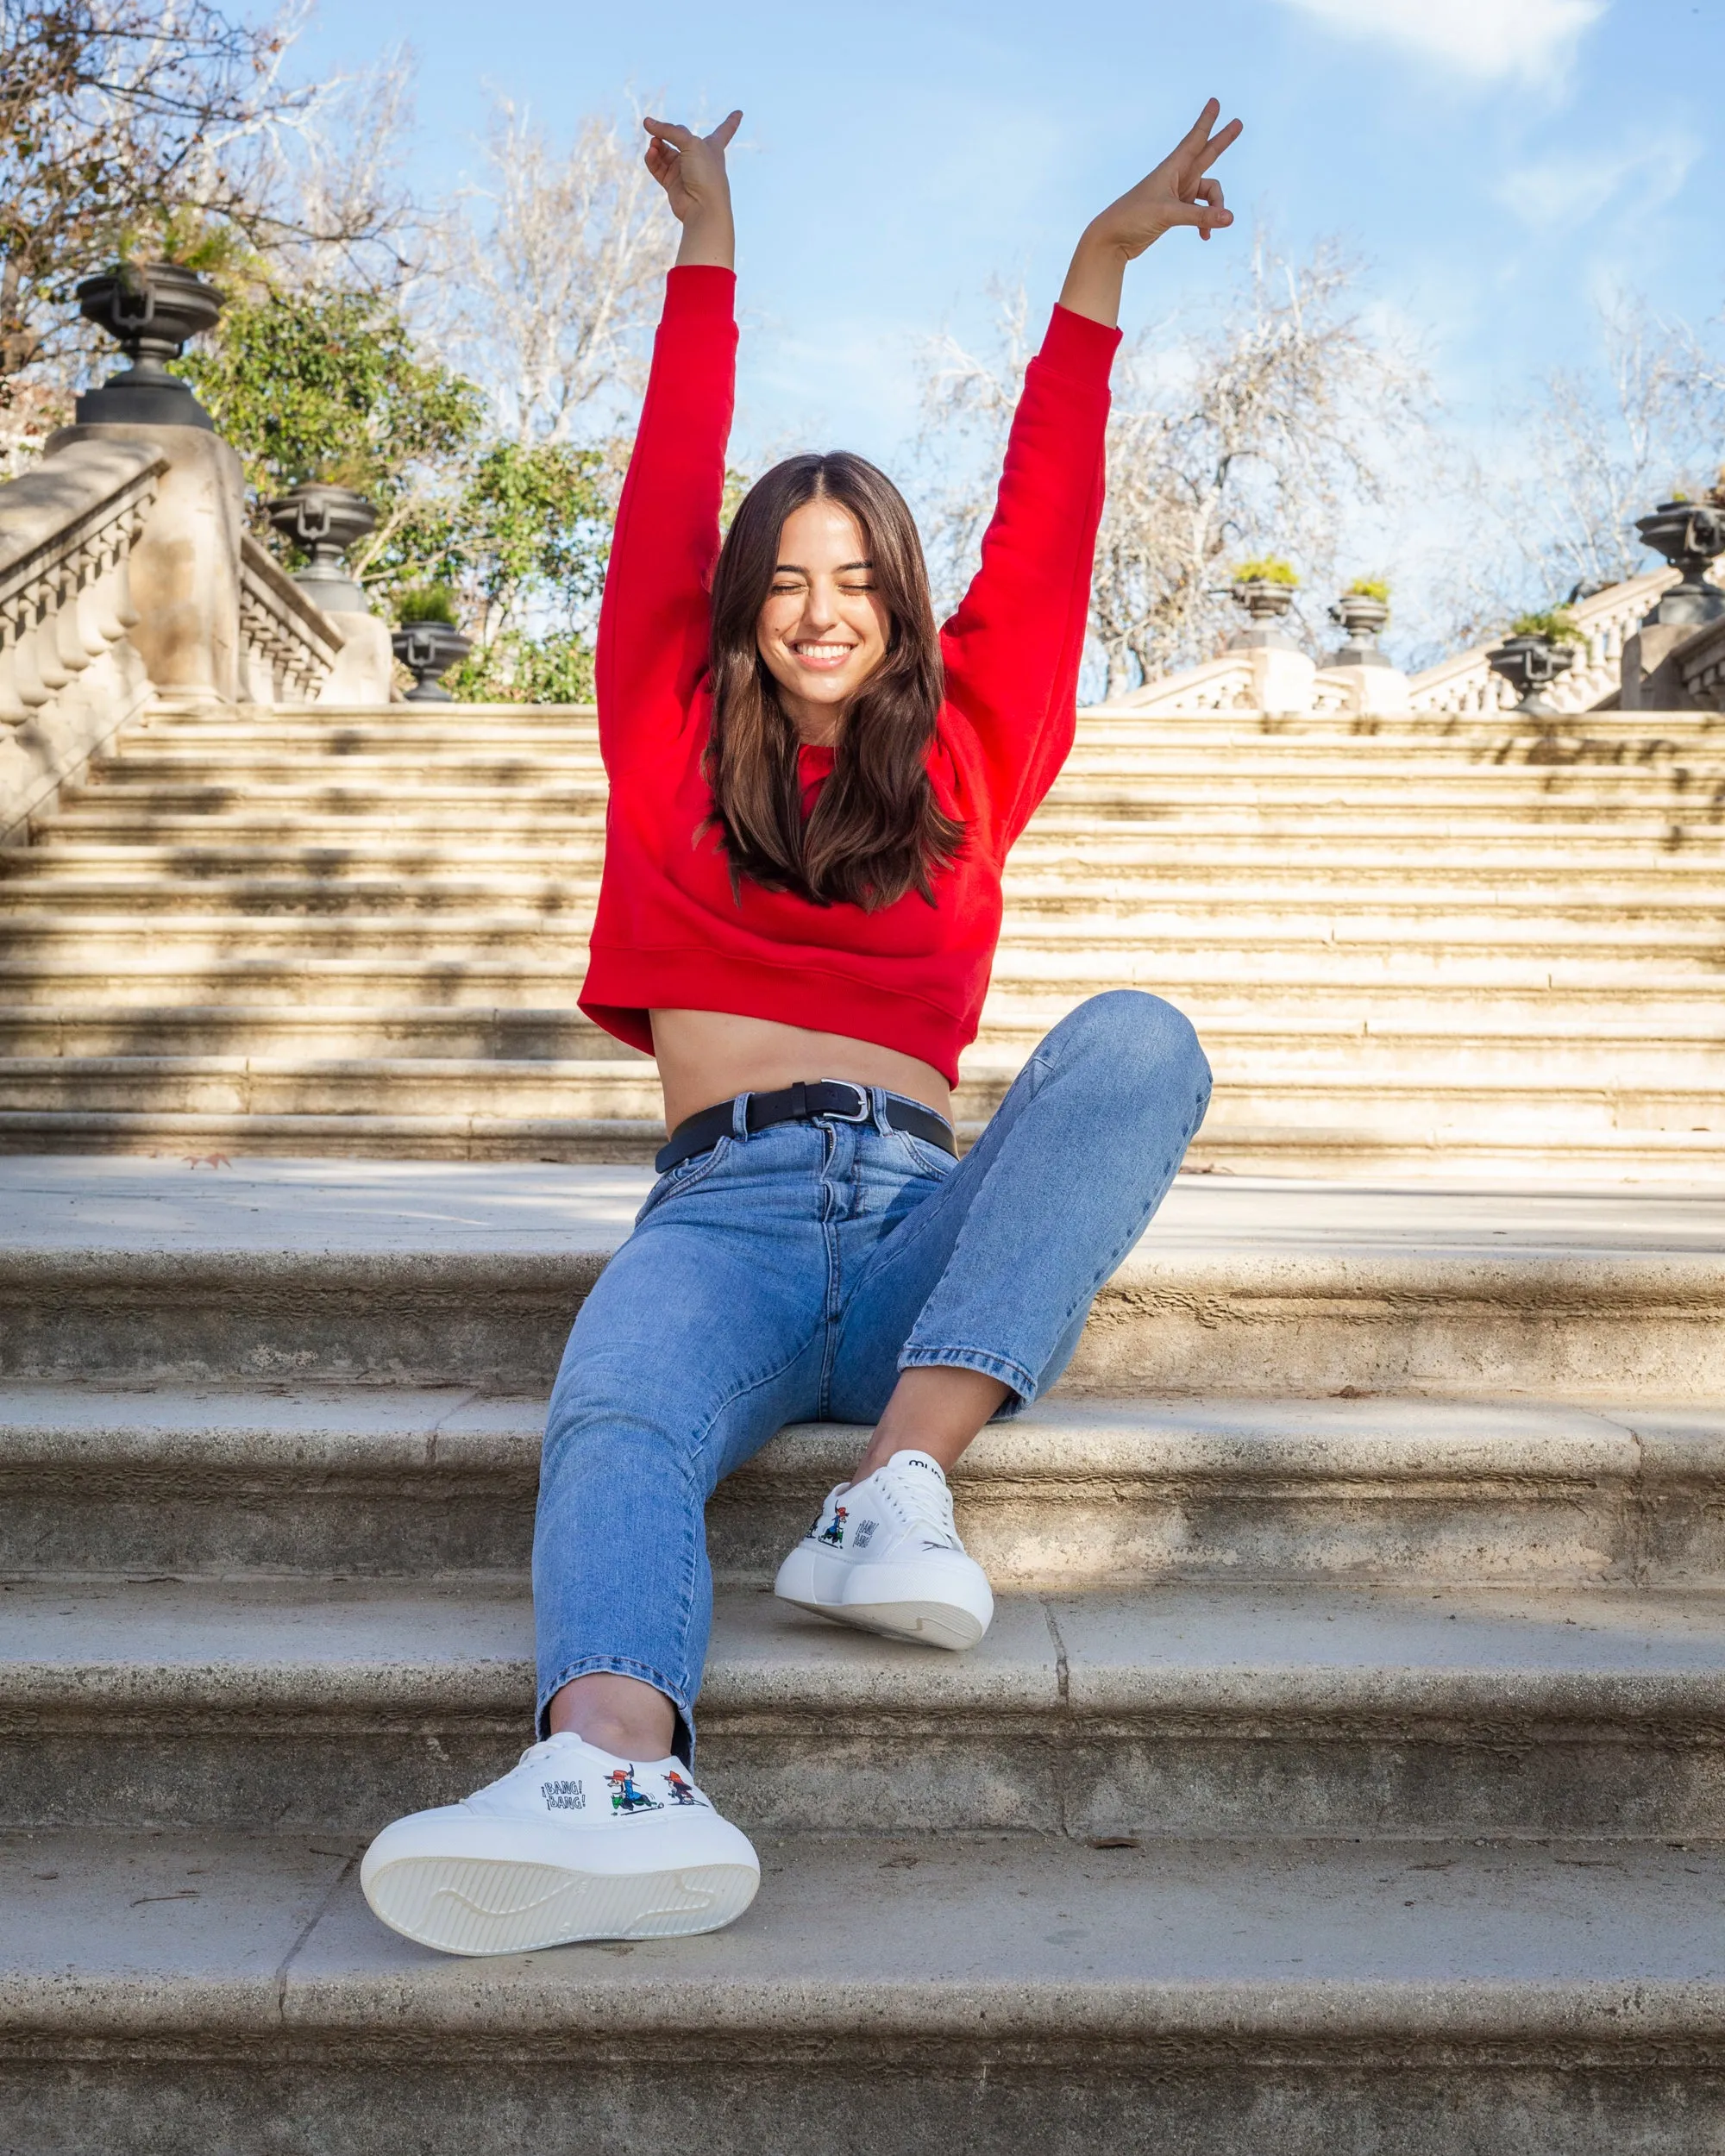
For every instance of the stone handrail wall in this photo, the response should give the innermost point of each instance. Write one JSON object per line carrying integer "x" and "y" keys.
{"x": 1700, "y": 667}
{"x": 1466, "y": 684}
{"x": 287, "y": 644}
{"x": 69, "y": 677}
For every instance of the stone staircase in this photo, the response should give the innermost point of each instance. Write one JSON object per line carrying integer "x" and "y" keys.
{"x": 1431, "y": 946}
{"x": 1344, "y": 1771}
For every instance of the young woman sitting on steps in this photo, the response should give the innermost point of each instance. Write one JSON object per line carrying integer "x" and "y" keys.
{"x": 812, "y": 792}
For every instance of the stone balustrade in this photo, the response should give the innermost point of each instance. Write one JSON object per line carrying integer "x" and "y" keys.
{"x": 1465, "y": 684}
{"x": 70, "y": 676}
{"x": 288, "y": 645}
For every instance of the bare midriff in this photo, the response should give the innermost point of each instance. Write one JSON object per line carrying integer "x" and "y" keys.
{"x": 706, "y": 1057}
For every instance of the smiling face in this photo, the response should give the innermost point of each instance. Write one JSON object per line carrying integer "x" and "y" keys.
{"x": 823, "y": 628}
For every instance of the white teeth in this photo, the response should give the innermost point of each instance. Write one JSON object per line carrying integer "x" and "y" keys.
{"x": 822, "y": 651}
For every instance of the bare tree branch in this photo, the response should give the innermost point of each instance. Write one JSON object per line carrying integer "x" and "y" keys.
{"x": 559, "y": 260}
{"x": 1251, "y": 436}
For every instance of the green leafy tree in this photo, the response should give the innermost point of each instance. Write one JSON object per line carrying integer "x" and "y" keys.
{"x": 329, "y": 384}
{"x": 525, "y": 543}
{"x": 167, "y": 129}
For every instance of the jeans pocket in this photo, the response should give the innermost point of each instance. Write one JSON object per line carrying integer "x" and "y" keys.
{"x": 684, "y": 1176}
{"x": 925, "y": 1158}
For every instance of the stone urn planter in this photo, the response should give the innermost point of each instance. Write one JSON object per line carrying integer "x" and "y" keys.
{"x": 325, "y": 521}
{"x": 1359, "y": 616}
{"x": 153, "y": 310}
{"x": 1690, "y": 535}
{"x": 1266, "y": 604}
{"x": 1530, "y": 664}
{"x": 428, "y": 649}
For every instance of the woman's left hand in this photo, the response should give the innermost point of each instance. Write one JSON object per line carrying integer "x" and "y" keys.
{"x": 1176, "y": 192}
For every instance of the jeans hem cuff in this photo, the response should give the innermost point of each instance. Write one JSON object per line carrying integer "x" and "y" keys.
{"x": 683, "y": 1743}
{"x": 1022, "y": 1382}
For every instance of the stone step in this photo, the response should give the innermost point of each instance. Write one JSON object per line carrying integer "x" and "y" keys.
{"x": 1034, "y": 872}
{"x": 331, "y": 1705}
{"x": 1695, "y": 758}
{"x": 1342, "y": 1150}
{"x": 380, "y": 1481}
{"x": 1618, "y": 738}
{"x": 232, "y": 1992}
{"x": 1607, "y": 796}
{"x": 1104, "y": 953}
{"x": 143, "y": 1272}
{"x": 1025, "y": 1002}
{"x": 530, "y": 821}
{"x": 1103, "y": 907}
{"x": 1361, "y": 1098}
{"x": 1188, "y": 846}
{"x": 1481, "y": 1045}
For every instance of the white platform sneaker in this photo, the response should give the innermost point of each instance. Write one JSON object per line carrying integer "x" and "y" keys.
{"x": 571, "y": 1844}
{"x": 885, "y": 1556}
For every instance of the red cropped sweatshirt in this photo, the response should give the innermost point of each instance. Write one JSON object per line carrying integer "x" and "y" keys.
{"x": 670, "y": 932}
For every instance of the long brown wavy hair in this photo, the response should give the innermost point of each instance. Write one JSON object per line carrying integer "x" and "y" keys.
{"x": 876, "y": 830}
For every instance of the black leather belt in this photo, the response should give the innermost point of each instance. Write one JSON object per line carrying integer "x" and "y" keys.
{"x": 836, "y": 1097}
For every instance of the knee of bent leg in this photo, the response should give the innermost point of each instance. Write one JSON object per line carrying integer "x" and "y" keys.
{"x": 609, "y": 1417}
{"x": 1146, "y": 1042}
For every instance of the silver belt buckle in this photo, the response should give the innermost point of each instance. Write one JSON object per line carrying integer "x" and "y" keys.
{"x": 865, "y": 1106}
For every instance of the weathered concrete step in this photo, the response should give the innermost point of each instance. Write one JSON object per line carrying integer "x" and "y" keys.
{"x": 400, "y": 1482}
{"x": 140, "y": 1272}
{"x": 1509, "y": 726}
{"x": 1087, "y": 875}
{"x": 1338, "y": 1148}
{"x": 330, "y": 1705}
{"x": 1023, "y": 1003}
{"x": 1438, "y": 1999}
{"x": 1387, "y": 815}
{"x": 1363, "y": 1100}
{"x": 1108, "y": 952}
{"x": 273, "y": 1028}
{"x": 445, "y": 748}
{"x": 1102, "y": 908}
{"x": 1627, "y": 738}
{"x": 1592, "y": 1047}
{"x": 1158, "y": 846}
{"x": 1610, "y": 797}
{"x": 439, "y": 1137}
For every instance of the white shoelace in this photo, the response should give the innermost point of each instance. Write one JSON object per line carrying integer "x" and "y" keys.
{"x": 923, "y": 1501}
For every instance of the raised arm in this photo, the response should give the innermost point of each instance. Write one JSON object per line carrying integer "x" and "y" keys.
{"x": 1013, "y": 648}
{"x": 653, "y": 620}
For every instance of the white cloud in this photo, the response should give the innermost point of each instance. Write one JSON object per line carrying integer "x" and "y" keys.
{"x": 1571, "y": 188}
{"x": 1486, "y": 38}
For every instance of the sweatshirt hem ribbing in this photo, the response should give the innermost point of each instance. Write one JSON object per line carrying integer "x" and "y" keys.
{"x": 621, "y": 987}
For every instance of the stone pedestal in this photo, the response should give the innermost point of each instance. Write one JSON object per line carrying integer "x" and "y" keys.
{"x": 1378, "y": 691}
{"x": 1649, "y": 680}
{"x": 1282, "y": 675}
{"x": 186, "y": 564}
{"x": 365, "y": 668}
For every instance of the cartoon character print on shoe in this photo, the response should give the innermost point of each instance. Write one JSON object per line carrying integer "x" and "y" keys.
{"x": 890, "y": 1560}
{"x": 627, "y": 1796}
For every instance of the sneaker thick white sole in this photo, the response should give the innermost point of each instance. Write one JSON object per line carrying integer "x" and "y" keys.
{"x": 938, "y": 1604}
{"x": 473, "y": 1885}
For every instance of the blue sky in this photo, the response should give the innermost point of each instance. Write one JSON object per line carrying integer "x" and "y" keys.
{"x": 1496, "y": 163}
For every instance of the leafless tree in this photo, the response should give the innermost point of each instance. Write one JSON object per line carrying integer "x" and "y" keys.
{"x": 552, "y": 270}
{"x": 145, "y": 126}
{"x": 1605, "y": 443}
{"x": 1250, "y": 435}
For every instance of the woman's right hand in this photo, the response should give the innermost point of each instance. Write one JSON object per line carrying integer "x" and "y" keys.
{"x": 690, "y": 167}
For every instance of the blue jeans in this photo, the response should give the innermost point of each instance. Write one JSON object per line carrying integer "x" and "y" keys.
{"x": 789, "y": 1276}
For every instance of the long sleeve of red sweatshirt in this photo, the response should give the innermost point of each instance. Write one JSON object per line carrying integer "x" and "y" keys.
{"x": 670, "y": 932}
